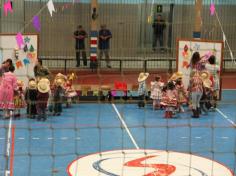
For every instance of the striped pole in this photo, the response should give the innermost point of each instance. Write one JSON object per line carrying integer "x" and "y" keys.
{"x": 94, "y": 34}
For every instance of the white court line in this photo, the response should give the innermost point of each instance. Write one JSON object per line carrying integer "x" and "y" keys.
{"x": 126, "y": 127}
{"x": 226, "y": 117}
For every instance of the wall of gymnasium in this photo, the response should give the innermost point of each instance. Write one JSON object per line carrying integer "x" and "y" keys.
{"x": 132, "y": 34}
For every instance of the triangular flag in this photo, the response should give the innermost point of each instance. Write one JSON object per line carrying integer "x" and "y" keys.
{"x": 7, "y": 7}
{"x": 26, "y": 61}
{"x": 212, "y": 8}
{"x": 25, "y": 49}
{"x": 27, "y": 39}
{"x": 18, "y": 64}
{"x": 224, "y": 38}
{"x": 31, "y": 48}
{"x": 50, "y": 7}
{"x": 19, "y": 40}
{"x": 36, "y": 23}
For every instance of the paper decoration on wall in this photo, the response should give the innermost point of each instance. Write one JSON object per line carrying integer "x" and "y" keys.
{"x": 31, "y": 56}
{"x": 27, "y": 39}
{"x": 186, "y": 55}
{"x": 212, "y": 8}
{"x": 7, "y": 7}
{"x": 19, "y": 64}
{"x": 26, "y": 61}
{"x": 196, "y": 47}
{"x": 50, "y": 7}
{"x": 19, "y": 40}
{"x": 31, "y": 48}
{"x": 25, "y": 48}
{"x": 1, "y": 56}
{"x": 36, "y": 23}
{"x": 224, "y": 38}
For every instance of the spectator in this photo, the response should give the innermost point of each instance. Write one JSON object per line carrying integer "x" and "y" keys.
{"x": 158, "y": 30}
{"x": 104, "y": 44}
{"x": 5, "y": 66}
{"x": 80, "y": 35}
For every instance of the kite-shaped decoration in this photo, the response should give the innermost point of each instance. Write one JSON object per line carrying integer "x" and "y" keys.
{"x": 25, "y": 49}
{"x": 50, "y": 7}
{"x": 26, "y": 61}
{"x": 27, "y": 39}
{"x": 31, "y": 48}
{"x": 19, "y": 64}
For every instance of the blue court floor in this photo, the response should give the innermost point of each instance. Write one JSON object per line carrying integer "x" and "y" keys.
{"x": 47, "y": 148}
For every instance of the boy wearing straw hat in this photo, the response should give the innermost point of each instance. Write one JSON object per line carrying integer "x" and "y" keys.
{"x": 42, "y": 98}
{"x": 58, "y": 94}
{"x": 31, "y": 98}
{"x": 142, "y": 88}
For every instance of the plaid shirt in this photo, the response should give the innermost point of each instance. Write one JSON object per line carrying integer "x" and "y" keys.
{"x": 142, "y": 88}
{"x": 196, "y": 84}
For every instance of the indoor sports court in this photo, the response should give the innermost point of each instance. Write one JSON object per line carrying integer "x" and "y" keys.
{"x": 117, "y": 88}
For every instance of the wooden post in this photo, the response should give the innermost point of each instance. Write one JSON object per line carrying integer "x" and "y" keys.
{"x": 198, "y": 19}
{"x": 94, "y": 34}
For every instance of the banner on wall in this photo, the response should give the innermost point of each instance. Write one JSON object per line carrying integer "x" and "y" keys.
{"x": 186, "y": 48}
{"x": 24, "y": 58}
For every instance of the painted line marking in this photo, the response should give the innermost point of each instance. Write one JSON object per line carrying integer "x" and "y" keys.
{"x": 64, "y": 138}
{"x": 225, "y": 137}
{"x": 50, "y": 138}
{"x": 184, "y": 137}
{"x": 125, "y": 126}
{"x": 21, "y": 138}
{"x": 226, "y": 117}
{"x": 35, "y": 138}
{"x": 198, "y": 137}
{"x": 2, "y": 138}
{"x": 78, "y": 138}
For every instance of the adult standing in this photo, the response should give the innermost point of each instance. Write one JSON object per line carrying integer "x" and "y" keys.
{"x": 158, "y": 32}
{"x": 80, "y": 34}
{"x": 104, "y": 44}
{"x": 7, "y": 87}
{"x": 41, "y": 71}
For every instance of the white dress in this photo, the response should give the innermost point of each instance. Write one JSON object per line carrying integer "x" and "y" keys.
{"x": 156, "y": 88}
{"x": 214, "y": 70}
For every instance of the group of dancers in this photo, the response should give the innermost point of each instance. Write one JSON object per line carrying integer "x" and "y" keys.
{"x": 200, "y": 96}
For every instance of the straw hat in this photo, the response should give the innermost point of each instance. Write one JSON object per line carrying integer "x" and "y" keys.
{"x": 142, "y": 76}
{"x": 45, "y": 80}
{"x": 60, "y": 76}
{"x": 43, "y": 86}
{"x": 205, "y": 75}
{"x": 20, "y": 83}
{"x": 207, "y": 83}
{"x": 176, "y": 75}
{"x": 32, "y": 84}
{"x": 71, "y": 76}
{"x": 59, "y": 82}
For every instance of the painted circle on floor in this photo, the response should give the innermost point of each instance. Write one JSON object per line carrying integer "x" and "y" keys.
{"x": 145, "y": 163}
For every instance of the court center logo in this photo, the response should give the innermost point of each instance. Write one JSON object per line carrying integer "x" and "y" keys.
{"x": 145, "y": 163}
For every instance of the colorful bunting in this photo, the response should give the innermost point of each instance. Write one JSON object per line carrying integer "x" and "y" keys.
{"x": 7, "y": 7}
{"x": 26, "y": 61}
{"x": 36, "y": 23}
{"x": 212, "y": 8}
{"x": 19, "y": 40}
{"x": 19, "y": 64}
{"x": 50, "y": 7}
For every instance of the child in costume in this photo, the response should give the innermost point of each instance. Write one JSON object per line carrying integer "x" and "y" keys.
{"x": 7, "y": 87}
{"x": 156, "y": 94}
{"x": 42, "y": 98}
{"x": 31, "y": 98}
{"x": 142, "y": 88}
{"x": 170, "y": 100}
{"x": 58, "y": 93}
{"x": 19, "y": 99}
{"x": 70, "y": 92}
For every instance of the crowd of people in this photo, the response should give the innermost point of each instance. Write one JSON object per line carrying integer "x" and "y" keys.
{"x": 200, "y": 96}
{"x": 41, "y": 94}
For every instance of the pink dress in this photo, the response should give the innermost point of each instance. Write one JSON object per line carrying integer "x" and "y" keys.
{"x": 7, "y": 87}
